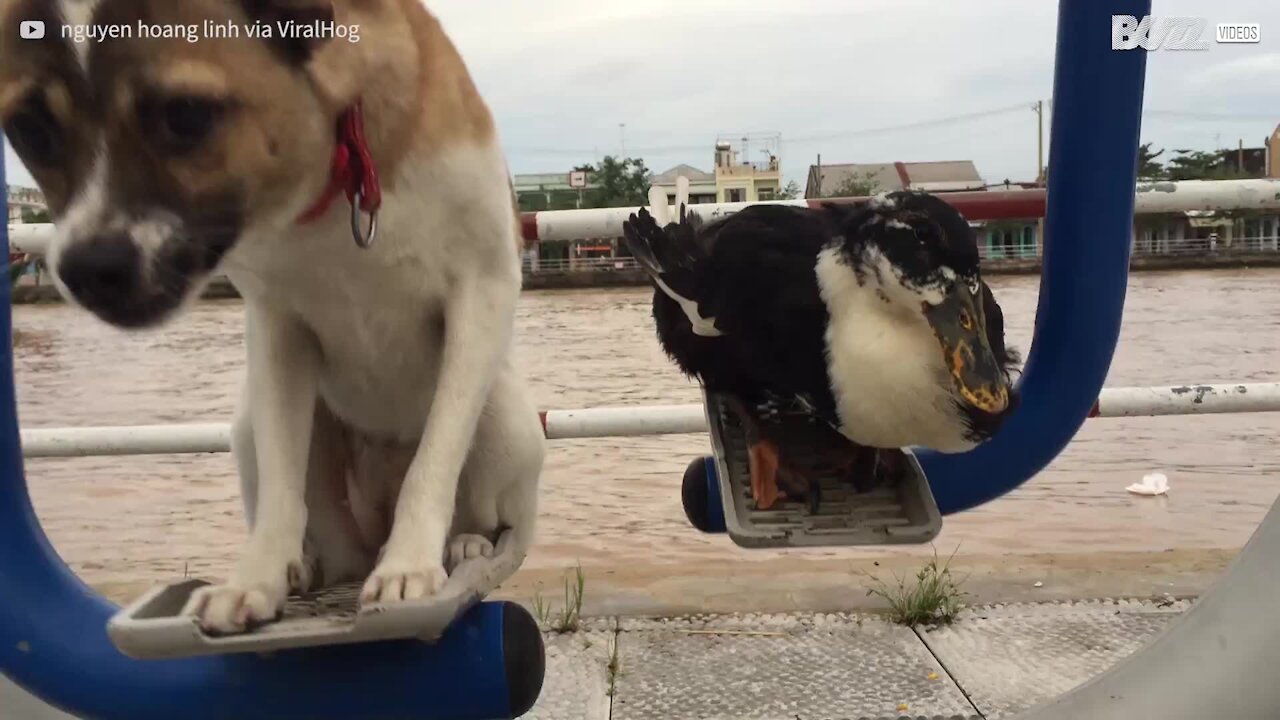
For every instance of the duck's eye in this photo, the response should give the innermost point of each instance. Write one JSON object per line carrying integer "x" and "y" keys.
{"x": 929, "y": 234}
{"x": 966, "y": 320}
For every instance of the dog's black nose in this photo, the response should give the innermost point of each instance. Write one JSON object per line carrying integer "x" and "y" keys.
{"x": 105, "y": 268}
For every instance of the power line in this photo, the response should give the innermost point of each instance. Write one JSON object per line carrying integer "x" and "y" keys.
{"x": 1213, "y": 117}
{"x": 663, "y": 149}
{"x": 889, "y": 129}
{"x": 913, "y": 125}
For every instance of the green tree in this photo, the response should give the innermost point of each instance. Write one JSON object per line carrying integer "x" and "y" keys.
{"x": 619, "y": 182}
{"x": 856, "y": 185}
{"x": 790, "y": 191}
{"x": 1148, "y": 167}
{"x": 1193, "y": 165}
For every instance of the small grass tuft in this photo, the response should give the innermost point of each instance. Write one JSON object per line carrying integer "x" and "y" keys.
{"x": 569, "y": 617}
{"x": 933, "y": 598}
{"x": 615, "y": 668}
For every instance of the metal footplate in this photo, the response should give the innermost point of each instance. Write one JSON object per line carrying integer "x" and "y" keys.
{"x": 151, "y": 627}
{"x": 904, "y": 513}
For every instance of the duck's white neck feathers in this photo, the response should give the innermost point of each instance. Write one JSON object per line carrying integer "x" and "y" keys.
{"x": 886, "y": 368}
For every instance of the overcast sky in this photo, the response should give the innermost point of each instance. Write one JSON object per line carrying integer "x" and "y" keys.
{"x": 561, "y": 75}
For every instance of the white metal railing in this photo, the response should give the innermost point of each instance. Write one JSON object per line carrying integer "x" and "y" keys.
{"x": 625, "y": 421}
{"x": 1202, "y": 246}
{"x": 1149, "y": 247}
{"x": 567, "y": 265}
{"x": 1149, "y": 198}
{"x": 1171, "y": 247}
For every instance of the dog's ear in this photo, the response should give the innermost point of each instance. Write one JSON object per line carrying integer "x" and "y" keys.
{"x": 274, "y": 14}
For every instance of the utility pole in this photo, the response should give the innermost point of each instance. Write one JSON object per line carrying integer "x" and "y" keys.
{"x": 622, "y": 139}
{"x": 1039, "y": 109}
{"x": 1040, "y": 178}
{"x": 819, "y": 189}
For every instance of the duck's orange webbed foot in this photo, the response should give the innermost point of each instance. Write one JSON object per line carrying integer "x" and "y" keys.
{"x": 763, "y": 462}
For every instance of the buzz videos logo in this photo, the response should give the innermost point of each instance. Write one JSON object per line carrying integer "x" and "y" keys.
{"x": 1176, "y": 33}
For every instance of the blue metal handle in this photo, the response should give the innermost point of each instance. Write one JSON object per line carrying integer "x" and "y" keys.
{"x": 53, "y": 641}
{"x": 1093, "y": 156}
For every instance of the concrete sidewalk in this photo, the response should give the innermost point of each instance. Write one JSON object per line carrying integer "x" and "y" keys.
{"x": 992, "y": 663}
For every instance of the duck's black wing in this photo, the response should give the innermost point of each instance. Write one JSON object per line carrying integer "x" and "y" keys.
{"x": 758, "y": 282}
{"x": 672, "y": 255}
{"x": 676, "y": 259}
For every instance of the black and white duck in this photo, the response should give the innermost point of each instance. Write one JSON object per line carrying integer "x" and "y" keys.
{"x": 873, "y": 319}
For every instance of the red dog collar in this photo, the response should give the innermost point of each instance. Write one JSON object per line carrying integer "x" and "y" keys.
{"x": 352, "y": 172}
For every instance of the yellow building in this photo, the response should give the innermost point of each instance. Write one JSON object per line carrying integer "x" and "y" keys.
{"x": 741, "y": 179}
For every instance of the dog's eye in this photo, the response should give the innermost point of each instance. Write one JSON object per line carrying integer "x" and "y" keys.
{"x": 34, "y": 134}
{"x": 181, "y": 123}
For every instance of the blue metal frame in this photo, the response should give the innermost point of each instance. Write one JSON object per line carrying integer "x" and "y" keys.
{"x": 1093, "y": 156}
{"x": 53, "y": 640}
{"x": 715, "y": 506}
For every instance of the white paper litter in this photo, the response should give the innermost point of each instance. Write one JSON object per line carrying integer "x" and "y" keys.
{"x": 1152, "y": 484}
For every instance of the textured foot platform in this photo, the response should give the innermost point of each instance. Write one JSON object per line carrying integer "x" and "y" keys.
{"x": 151, "y": 627}
{"x": 1010, "y": 658}
{"x": 901, "y": 513}
{"x": 780, "y": 667}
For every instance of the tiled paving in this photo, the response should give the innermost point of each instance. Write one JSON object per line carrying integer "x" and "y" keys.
{"x": 768, "y": 666}
{"x": 576, "y": 686}
{"x": 1009, "y": 658}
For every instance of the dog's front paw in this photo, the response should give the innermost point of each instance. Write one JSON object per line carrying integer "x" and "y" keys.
{"x": 393, "y": 582}
{"x": 465, "y": 547}
{"x": 252, "y": 597}
{"x": 226, "y": 609}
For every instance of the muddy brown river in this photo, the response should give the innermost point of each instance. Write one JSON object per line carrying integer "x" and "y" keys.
{"x": 615, "y": 502}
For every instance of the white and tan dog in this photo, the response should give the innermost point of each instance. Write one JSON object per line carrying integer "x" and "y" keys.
{"x": 383, "y": 430}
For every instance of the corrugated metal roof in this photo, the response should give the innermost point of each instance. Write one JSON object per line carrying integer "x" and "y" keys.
{"x": 948, "y": 171}
{"x": 939, "y": 176}
{"x": 947, "y": 186}
{"x": 885, "y": 175}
